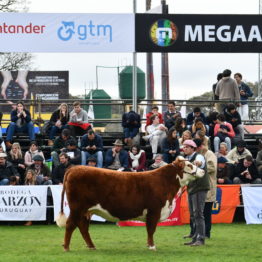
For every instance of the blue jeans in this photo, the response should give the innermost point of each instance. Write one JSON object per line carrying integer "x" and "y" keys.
{"x": 98, "y": 155}
{"x": 130, "y": 132}
{"x": 54, "y": 130}
{"x": 4, "y": 182}
{"x": 27, "y": 128}
{"x": 1, "y": 134}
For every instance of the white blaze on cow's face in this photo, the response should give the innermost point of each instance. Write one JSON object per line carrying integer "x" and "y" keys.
{"x": 190, "y": 173}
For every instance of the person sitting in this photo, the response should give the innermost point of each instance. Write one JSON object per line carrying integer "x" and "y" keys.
{"x": 58, "y": 172}
{"x": 136, "y": 159}
{"x": 59, "y": 145}
{"x": 156, "y": 134}
{"x": 171, "y": 115}
{"x": 259, "y": 160}
{"x": 196, "y": 114}
{"x": 246, "y": 172}
{"x": 211, "y": 122}
{"x": 131, "y": 123}
{"x": 92, "y": 145}
{"x": 158, "y": 162}
{"x": 170, "y": 146}
{"x": 58, "y": 122}
{"x": 15, "y": 156}
{"x": 187, "y": 135}
{"x": 116, "y": 158}
{"x": 223, "y": 152}
{"x": 91, "y": 161}
{"x": 20, "y": 122}
{"x": 73, "y": 152}
{"x": 78, "y": 121}
{"x": 30, "y": 178}
{"x": 202, "y": 136}
{"x": 180, "y": 126}
{"x": 198, "y": 125}
{"x": 223, "y": 132}
{"x": 7, "y": 170}
{"x": 233, "y": 117}
{"x": 33, "y": 151}
{"x": 42, "y": 171}
{"x": 238, "y": 153}
{"x": 223, "y": 171}
{"x": 153, "y": 112}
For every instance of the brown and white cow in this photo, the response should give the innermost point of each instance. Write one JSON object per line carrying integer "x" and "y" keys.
{"x": 145, "y": 196}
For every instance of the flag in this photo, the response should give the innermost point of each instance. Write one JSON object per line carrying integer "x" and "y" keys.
{"x": 90, "y": 112}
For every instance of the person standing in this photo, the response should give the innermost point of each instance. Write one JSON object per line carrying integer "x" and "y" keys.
{"x": 227, "y": 89}
{"x": 245, "y": 93}
{"x": 197, "y": 192}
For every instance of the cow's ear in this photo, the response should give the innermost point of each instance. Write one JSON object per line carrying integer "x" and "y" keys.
{"x": 179, "y": 162}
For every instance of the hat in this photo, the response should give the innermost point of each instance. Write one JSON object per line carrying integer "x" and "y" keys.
{"x": 190, "y": 143}
{"x": 91, "y": 159}
{"x": 118, "y": 142}
{"x": 221, "y": 160}
{"x": 3, "y": 155}
{"x": 241, "y": 143}
{"x": 38, "y": 158}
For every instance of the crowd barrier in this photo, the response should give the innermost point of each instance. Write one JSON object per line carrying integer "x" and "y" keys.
{"x": 29, "y": 203}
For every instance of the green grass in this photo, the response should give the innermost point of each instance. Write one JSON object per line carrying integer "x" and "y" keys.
{"x": 229, "y": 242}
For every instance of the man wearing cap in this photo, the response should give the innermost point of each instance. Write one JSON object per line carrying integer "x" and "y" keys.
{"x": 7, "y": 170}
{"x": 73, "y": 152}
{"x": 42, "y": 171}
{"x": 223, "y": 171}
{"x": 91, "y": 161}
{"x": 239, "y": 152}
{"x": 116, "y": 158}
{"x": 92, "y": 145}
{"x": 246, "y": 172}
{"x": 197, "y": 191}
{"x": 59, "y": 171}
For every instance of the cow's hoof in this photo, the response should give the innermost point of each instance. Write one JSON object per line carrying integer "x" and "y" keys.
{"x": 153, "y": 248}
{"x": 66, "y": 249}
{"x": 92, "y": 248}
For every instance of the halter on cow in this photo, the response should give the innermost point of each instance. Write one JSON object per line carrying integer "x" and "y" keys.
{"x": 145, "y": 196}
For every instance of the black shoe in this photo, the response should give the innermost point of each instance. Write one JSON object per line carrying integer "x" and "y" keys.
{"x": 189, "y": 243}
{"x": 198, "y": 243}
{"x": 188, "y": 236}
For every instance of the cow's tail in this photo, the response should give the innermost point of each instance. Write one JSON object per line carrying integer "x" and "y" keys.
{"x": 61, "y": 218}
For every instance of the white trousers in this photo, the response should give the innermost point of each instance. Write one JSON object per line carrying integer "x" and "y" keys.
{"x": 243, "y": 111}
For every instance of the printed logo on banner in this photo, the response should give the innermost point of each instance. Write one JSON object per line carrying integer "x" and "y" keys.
{"x": 163, "y": 32}
{"x": 217, "y": 204}
{"x": 89, "y": 31}
{"x": 259, "y": 215}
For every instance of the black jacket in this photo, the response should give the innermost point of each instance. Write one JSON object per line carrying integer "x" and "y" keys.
{"x": 56, "y": 116}
{"x": 233, "y": 119}
{"x": 97, "y": 141}
{"x": 7, "y": 171}
{"x": 59, "y": 172}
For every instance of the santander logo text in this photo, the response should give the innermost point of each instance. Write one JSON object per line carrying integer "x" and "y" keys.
{"x": 21, "y": 29}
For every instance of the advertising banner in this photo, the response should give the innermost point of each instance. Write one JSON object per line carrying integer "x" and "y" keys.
{"x": 23, "y": 203}
{"x": 45, "y": 85}
{"x": 252, "y": 199}
{"x": 56, "y": 192}
{"x": 223, "y": 211}
{"x": 172, "y": 220}
{"x": 198, "y": 33}
{"x": 43, "y": 32}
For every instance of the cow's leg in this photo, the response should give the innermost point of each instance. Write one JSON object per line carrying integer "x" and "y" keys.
{"x": 83, "y": 226}
{"x": 151, "y": 223}
{"x": 70, "y": 227}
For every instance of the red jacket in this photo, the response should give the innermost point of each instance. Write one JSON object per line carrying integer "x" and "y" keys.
{"x": 231, "y": 133}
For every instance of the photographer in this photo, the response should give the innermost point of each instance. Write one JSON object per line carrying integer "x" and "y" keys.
{"x": 246, "y": 172}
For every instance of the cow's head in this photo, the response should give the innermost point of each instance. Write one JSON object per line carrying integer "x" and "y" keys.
{"x": 189, "y": 172}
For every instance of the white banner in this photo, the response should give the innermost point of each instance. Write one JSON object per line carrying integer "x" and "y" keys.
{"x": 252, "y": 198}
{"x": 56, "y": 192}
{"x": 34, "y": 32}
{"x": 23, "y": 203}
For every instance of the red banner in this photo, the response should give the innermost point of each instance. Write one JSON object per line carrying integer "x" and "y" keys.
{"x": 227, "y": 199}
{"x": 172, "y": 220}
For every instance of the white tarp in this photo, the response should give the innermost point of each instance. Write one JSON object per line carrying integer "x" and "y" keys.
{"x": 252, "y": 199}
{"x": 23, "y": 203}
{"x": 56, "y": 192}
{"x": 39, "y": 32}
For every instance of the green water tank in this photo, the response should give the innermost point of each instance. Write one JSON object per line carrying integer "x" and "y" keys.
{"x": 100, "y": 111}
{"x": 126, "y": 83}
